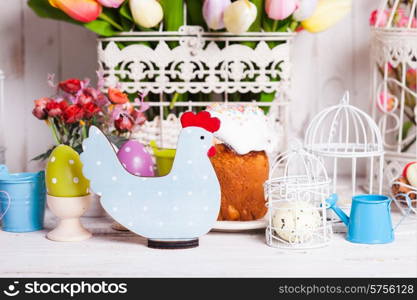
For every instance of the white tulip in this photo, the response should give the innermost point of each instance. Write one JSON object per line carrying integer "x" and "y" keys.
{"x": 305, "y": 9}
{"x": 239, "y": 16}
{"x": 146, "y": 13}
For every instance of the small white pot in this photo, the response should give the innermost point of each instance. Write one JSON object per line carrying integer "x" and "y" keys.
{"x": 69, "y": 210}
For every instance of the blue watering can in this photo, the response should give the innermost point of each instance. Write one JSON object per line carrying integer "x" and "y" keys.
{"x": 369, "y": 221}
{"x": 22, "y": 200}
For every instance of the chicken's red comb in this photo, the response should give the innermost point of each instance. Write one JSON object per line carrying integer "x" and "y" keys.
{"x": 202, "y": 119}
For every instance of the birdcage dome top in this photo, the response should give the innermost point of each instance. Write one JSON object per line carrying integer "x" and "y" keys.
{"x": 343, "y": 131}
{"x": 297, "y": 168}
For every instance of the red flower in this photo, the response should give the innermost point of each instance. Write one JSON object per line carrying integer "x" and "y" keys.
{"x": 123, "y": 123}
{"x": 84, "y": 98}
{"x": 90, "y": 109}
{"x": 63, "y": 105}
{"x": 73, "y": 114}
{"x": 53, "y": 109}
{"x": 71, "y": 86}
{"x": 117, "y": 97}
{"x": 40, "y": 108}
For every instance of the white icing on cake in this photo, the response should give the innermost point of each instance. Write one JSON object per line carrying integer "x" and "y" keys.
{"x": 244, "y": 128}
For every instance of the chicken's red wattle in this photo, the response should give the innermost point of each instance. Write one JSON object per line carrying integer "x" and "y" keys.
{"x": 211, "y": 152}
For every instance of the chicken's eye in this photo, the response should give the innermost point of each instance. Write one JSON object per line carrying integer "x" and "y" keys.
{"x": 202, "y": 137}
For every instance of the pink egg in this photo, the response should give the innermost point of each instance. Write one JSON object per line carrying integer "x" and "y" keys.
{"x": 136, "y": 159}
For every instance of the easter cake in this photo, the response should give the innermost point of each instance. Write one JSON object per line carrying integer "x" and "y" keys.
{"x": 241, "y": 161}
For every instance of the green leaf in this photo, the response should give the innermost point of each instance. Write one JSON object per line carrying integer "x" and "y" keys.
{"x": 44, "y": 155}
{"x": 125, "y": 12}
{"x": 126, "y": 24}
{"x": 173, "y": 16}
{"x": 406, "y": 128}
{"x": 100, "y": 27}
{"x": 195, "y": 12}
{"x": 266, "y": 97}
{"x": 44, "y": 10}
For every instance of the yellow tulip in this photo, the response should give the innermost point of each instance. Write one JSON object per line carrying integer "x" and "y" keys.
{"x": 327, "y": 13}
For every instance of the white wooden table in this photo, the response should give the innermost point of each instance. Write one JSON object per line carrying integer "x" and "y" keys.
{"x": 115, "y": 254}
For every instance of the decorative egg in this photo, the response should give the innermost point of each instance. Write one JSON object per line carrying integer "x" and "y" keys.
{"x": 136, "y": 159}
{"x": 64, "y": 176}
{"x": 410, "y": 172}
{"x": 296, "y": 222}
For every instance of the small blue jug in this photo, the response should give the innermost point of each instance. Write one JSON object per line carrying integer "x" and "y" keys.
{"x": 22, "y": 200}
{"x": 369, "y": 221}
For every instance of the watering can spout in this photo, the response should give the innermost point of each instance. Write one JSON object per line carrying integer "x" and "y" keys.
{"x": 331, "y": 201}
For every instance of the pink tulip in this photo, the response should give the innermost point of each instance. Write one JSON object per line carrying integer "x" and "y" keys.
{"x": 280, "y": 9}
{"x": 381, "y": 15}
{"x": 111, "y": 3}
{"x": 80, "y": 10}
{"x": 403, "y": 22}
{"x": 213, "y": 13}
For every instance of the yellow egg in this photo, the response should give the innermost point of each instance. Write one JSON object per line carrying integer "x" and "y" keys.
{"x": 64, "y": 177}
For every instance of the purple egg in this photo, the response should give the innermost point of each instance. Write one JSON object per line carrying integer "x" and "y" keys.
{"x": 136, "y": 159}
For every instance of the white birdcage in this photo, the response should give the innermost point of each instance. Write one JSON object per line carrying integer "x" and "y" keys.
{"x": 192, "y": 61}
{"x": 2, "y": 147}
{"x": 394, "y": 83}
{"x": 343, "y": 132}
{"x": 296, "y": 190}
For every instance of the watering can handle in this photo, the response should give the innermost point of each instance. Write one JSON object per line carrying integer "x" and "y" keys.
{"x": 8, "y": 205}
{"x": 410, "y": 208}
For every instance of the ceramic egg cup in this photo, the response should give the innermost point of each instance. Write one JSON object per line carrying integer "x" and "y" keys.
{"x": 69, "y": 210}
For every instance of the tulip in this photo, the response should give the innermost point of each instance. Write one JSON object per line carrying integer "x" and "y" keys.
{"x": 381, "y": 15}
{"x": 305, "y": 9}
{"x": 239, "y": 16}
{"x": 80, "y": 10}
{"x": 213, "y": 11}
{"x": 327, "y": 13}
{"x": 111, "y": 3}
{"x": 280, "y": 9}
{"x": 146, "y": 13}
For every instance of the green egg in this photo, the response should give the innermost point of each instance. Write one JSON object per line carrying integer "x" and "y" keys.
{"x": 64, "y": 176}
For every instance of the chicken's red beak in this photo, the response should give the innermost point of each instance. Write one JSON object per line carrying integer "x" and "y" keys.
{"x": 211, "y": 152}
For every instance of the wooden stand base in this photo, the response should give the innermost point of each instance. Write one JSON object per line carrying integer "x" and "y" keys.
{"x": 173, "y": 244}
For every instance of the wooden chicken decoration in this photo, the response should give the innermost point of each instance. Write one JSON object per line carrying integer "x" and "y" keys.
{"x": 172, "y": 211}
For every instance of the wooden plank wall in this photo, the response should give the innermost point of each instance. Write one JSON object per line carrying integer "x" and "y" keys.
{"x": 324, "y": 66}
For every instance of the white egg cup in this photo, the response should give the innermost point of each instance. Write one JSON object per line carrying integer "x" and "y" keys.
{"x": 69, "y": 210}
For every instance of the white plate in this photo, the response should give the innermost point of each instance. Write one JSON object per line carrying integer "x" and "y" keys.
{"x": 231, "y": 226}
